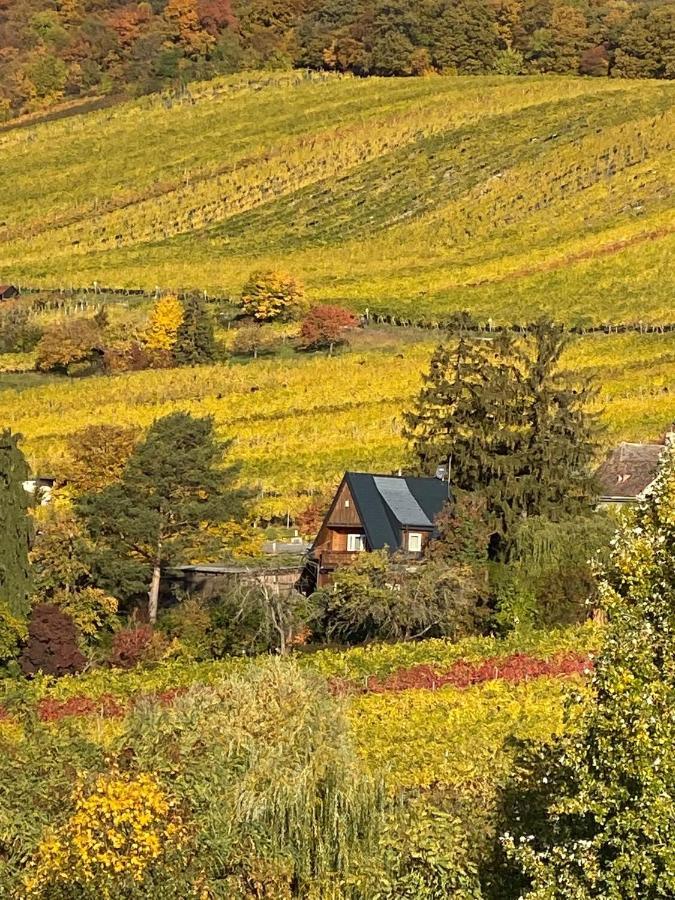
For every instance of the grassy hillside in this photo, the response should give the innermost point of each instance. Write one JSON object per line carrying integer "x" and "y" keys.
{"x": 292, "y": 437}
{"x": 507, "y": 196}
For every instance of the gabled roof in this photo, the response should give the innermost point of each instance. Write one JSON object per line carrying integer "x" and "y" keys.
{"x": 387, "y": 504}
{"x": 628, "y": 470}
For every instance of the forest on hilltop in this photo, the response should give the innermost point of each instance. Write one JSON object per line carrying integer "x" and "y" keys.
{"x": 56, "y": 50}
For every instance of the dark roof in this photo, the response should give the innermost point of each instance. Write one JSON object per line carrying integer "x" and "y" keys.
{"x": 387, "y": 504}
{"x": 628, "y": 470}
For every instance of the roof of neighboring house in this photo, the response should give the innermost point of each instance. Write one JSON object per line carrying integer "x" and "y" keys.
{"x": 628, "y": 470}
{"x": 386, "y": 504}
{"x": 7, "y": 287}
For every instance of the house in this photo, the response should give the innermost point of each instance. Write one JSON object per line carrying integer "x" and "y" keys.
{"x": 373, "y": 512}
{"x": 8, "y": 291}
{"x": 628, "y": 471}
{"x": 41, "y": 487}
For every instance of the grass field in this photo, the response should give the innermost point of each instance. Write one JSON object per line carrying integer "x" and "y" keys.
{"x": 294, "y": 438}
{"x": 507, "y": 196}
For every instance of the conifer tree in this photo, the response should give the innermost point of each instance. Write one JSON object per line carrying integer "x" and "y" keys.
{"x": 562, "y": 432}
{"x": 195, "y": 342}
{"x": 608, "y": 789}
{"x": 509, "y": 422}
{"x": 171, "y": 488}
{"x": 15, "y": 526}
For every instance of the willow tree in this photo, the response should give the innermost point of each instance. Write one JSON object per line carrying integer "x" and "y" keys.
{"x": 15, "y": 526}
{"x": 608, "y": 824}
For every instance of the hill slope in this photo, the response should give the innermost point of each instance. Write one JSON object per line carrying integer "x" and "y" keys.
{"x": 507, "y": 196}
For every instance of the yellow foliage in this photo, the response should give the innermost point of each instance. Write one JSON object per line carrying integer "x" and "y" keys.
{"x": 268, "y": 296}
{"x": 121, "y": 827}
{"x": 165, "y": 320}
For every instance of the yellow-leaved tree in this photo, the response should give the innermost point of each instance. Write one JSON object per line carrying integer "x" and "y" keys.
{"x": 270, "y": 296}
{"x": 164, "y": 322}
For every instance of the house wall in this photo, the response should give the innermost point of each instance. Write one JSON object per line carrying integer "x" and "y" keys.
{"x": 426, "y": 537}
{"x": 344, "y": 511}
{"x": 342, "y": 519}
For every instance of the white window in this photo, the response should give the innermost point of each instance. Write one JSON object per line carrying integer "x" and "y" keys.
{"x": 346, "y": 502}
{"x": 356, "y": 543}
{"x": 414, "y": 542}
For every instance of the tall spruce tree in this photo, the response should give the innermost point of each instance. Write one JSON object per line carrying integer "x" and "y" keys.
{"x": 606, "y": 791}
{"x": 512, "y": 425}
{"x": 562, "y": 431}
{"x": 195, "y": 342}
{"x": 172, "y": 488}
{"x": 15, "y": 526}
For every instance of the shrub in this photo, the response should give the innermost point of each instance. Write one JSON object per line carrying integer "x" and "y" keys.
{"x": 253, "y": 340}
{"x": 12, "y": 632}
{"x": 378, "y": 598}
{"x": 19, "y": 333}
{"x": 270, "y": 296}
{"x": 553, "y": 563}
{"x": 136, "y": 645}
{"x": 124, "y": 830}
{"x": 253, "y": 618}
{"x": 132, "y": 356}
{"x": 427, "y": 856}
{"x": 325, "y": 327}
{"x": 63, "y": 577}
{"x": 69, "y": 344}
{"x": 52, "y": 644}
{"x": 190, "y": 623}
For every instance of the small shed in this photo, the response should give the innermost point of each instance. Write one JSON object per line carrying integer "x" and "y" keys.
{"x": 8, "y": 292}
{"x": 628, "y": 471}
{"x": 208, "y": 581}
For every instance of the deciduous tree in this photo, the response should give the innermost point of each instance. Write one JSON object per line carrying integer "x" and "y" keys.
{"x": 607, "y": 791}
{"x": 325, "y": 327}
{"x": 165, "y": 320}
{"x": 269, "y": 296}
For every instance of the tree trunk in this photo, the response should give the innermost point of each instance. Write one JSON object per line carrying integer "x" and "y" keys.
{"x": 153, "y": 594}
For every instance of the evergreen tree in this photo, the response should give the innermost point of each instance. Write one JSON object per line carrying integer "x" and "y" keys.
{"x": 195, "y": 342}
{"x": 607, "y": 790}
{"x": 15, "y": 526}
{"x": 171, "y": 488}
{"x": 561, "y": 445}
{"x": 509, "y": 422}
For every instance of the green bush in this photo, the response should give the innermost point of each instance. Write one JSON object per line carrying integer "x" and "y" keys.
{"x": 379, "y": 598}
{"x": 12, "y": 632}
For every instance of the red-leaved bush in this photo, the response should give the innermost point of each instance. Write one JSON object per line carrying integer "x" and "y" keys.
{"x": 51, "y": 646}
{"x": 130, "y": 646}
{"x": 133, "y": 646}
{"x": 325, "y": 326}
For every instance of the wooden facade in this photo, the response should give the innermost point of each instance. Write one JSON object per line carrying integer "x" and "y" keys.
{"x": 345, "y": 532}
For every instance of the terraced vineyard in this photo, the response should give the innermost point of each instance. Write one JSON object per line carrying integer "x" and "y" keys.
{"x": 507, "y": 196}
{"x": 292, "y": 438}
